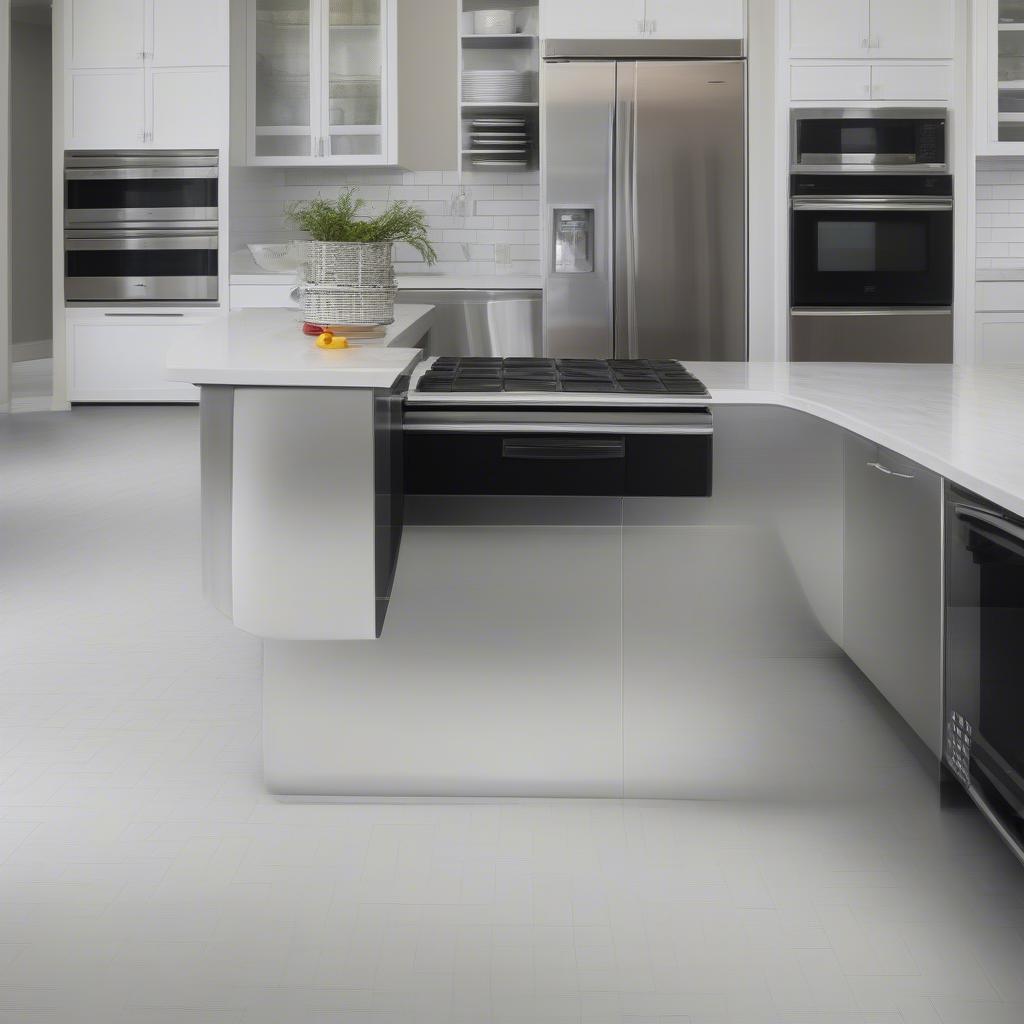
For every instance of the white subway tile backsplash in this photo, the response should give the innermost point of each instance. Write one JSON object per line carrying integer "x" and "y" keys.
{"x": 1000, "y": 213}
{"x": 503, "y": 209}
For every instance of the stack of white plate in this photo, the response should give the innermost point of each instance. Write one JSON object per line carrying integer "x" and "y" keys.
{"x": 496, "y": 86}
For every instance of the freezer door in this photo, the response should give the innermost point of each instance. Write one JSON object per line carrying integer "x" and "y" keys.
{"x": 579, "y": 103}
{"x": 681, "y": 260}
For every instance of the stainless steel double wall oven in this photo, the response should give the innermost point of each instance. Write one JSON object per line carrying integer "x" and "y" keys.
{"x": 871, "y": 236}
{"x": 141, "y": 227}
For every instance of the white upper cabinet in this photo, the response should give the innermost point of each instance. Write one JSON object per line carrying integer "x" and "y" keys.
{"x": 999, "y": 76}
{"x": 104, "y": 108}
{"x": 871, "y": 28}
{"x": 828, "y": 28}
{"x": 643, "y": 19}
{"x": 105, "y": 33}
{"x": 912, "y": 28}
{"x": 322, "y": 82}
{"x": 145, "y": 72}
{"x": 190, "y": 33}
{"x": 592, "y": 19}
{"x": 696, "y": 19}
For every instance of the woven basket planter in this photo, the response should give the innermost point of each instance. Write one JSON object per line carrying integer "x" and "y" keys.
{"x": 331, "y": 304}
{"x": 348, "y": 283}
{"x": 349, "y": 264}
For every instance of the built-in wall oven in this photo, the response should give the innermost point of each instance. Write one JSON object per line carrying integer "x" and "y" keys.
{"x": 872, "y": 237}
{"x": 141, "y": 227}
{"x": 984, "y": 742}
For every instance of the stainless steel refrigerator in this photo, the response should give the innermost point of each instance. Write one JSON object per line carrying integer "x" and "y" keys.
{"x": 644, "y": 191}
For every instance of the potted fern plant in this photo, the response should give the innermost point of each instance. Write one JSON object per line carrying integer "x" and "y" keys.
{"x": 348, "y": 269}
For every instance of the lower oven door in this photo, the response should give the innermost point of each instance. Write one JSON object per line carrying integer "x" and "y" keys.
{"x": 178, "y": 266}
{"x": 559, "y": 454}
{"x": 880, "y": 252}
{"x": 984, "y": 743}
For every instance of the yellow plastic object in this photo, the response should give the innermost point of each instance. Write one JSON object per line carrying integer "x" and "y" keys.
{"x": 328, "y": 340}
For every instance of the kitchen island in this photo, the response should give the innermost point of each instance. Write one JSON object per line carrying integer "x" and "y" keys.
{"x": 585, "y": 646}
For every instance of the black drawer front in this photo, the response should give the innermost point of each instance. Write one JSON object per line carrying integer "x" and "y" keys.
{"x": 613, "y": 465}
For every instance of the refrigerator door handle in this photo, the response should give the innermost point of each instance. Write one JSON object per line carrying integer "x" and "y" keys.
{"x": 626, "y": 337}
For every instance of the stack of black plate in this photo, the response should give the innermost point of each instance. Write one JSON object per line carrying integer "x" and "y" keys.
{"x": 567, "y": 376}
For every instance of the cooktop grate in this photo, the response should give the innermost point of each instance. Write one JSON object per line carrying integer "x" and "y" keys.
{"x": 450, "y": 374}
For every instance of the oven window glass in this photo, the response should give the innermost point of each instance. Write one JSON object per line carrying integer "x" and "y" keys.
{"x": 142, "y": 263}
{"x": 141, "y": 193}
{"x": 868, "y": 246}
{"x": 871, "y": 259}
{"x": 1000, "y": 566}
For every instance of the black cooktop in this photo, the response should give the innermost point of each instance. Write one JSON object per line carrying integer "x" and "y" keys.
{"x": 449, "y": 374}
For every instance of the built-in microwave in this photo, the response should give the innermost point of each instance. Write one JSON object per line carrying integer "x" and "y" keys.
{"x": 984, "y": 740}
{"x": 873, "y": 140}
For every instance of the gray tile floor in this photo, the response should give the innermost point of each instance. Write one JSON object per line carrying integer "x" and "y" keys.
{"x": 145, "y": 876}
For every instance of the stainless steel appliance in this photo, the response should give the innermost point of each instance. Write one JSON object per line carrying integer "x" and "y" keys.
{"x": 871, "y": 246}
{"x": 644, "y": 182}
{"x": 869, "y": 140}
{"x": 481, "y": 322}
{"x": 141, "y": 227}
{"x": 565, "y": 427}
{"x": 984, "y": 741}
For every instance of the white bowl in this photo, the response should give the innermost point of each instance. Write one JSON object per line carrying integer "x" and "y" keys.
{"x": 279, "y": 258}
{"x": 494, "y": 23}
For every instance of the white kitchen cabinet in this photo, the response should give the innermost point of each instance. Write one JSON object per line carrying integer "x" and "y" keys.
{"x": 105, "y": 33}
{"x": 829, "y": 82}
{"x": 190, "y": 108}
{"x": 999, "y": 77}
{"x": 105, "y": 109}
{"x": 892, "y": 591}
{"x": 592, "y": 19}
{"x": 146, "y": 72}
{"x": 912, "y": 82}
{"x": 897, "y": 29}
{"x": 695, "y": 19}
{"x": 999, "y": 337}
{"x": 912, "y": 28}
{"x": 828, "y": 28}
{"x": 322, "y": 82}
{"x": 636, "y": 19}
{"x": 190, "y": 33}
{"x": 857, "y": 82}
{"x": 122, "y": 358}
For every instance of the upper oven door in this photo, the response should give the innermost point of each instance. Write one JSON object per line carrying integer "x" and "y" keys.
{"x": 152, "y": 188}
{"x": 874, "y": 252}
{"x": 864, "y": 141}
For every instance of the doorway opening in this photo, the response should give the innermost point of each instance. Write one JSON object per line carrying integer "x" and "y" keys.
{"x": 31, "y": 206}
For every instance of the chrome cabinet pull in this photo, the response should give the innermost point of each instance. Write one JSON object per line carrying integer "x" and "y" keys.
{"x": 891, "y": 472}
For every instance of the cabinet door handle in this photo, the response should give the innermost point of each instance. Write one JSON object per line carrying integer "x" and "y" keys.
{"x": 891, "y": 472}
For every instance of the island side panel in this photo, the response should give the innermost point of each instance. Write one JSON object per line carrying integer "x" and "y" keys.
{"x": 216, "y": 420}
{"x": 303, "y": 501}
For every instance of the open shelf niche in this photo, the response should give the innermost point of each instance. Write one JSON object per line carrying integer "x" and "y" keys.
{"x": 495, "y": 135}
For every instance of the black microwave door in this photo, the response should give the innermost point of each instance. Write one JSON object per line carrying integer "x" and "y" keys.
{"x": 868, "y": 141}
{"x": 858, "y": 258}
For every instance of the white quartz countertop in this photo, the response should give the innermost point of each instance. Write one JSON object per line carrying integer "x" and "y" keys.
{"x": 244, "y": 271}
{"x": 965, "y": 423}
{"x": 266, "y": 347}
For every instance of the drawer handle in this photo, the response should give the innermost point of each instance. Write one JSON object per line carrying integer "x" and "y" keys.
{"x": 563, "y": 449}
{"x": 890, "y": 472}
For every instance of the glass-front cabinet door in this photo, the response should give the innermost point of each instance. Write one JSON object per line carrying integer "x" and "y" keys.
{"x": 321, "y": 81}
{"x": 354, "y": 58}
